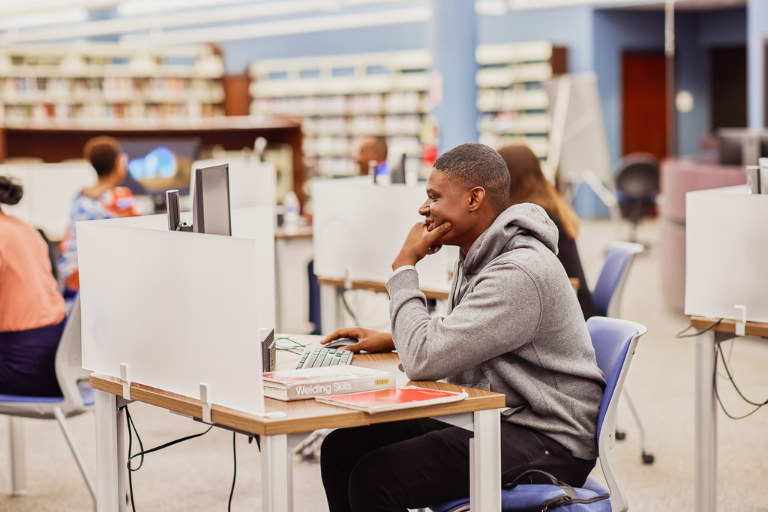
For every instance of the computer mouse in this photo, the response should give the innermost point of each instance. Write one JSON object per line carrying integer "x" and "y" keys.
{"x": 341, "y": 342}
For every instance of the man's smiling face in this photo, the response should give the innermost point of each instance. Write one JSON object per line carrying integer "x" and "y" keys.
{"x": 447, "y": 201}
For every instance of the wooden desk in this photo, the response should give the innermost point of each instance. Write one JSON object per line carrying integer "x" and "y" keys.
{"x": 380, "y": 286}
{"x": 331, "y": 300}
{"x": 300, "y": 232}
{"x": 377, "y": 286}
{"x": 705, "y": 490}
{"x": 479, "y": 412}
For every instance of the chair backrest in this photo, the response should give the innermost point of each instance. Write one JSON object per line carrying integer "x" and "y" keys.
{"x": 609, "y": 289}
{"x": 69, "y": 362}
{"x": 614, "y": 341}
{"x": 637, "y": 176}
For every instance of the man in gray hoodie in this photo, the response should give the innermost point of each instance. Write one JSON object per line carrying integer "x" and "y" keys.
{"x": 514, "y": 326}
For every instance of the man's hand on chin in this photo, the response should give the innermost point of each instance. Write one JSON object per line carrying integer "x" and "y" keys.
{"x": 420, "y": 242}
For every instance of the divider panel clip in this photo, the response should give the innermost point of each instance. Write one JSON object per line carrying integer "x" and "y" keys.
{"x": 205, "y": 398}
{"x": 347, "y": 278}
{"x": 125, "y": 380}
{"x": 741, "y": 320}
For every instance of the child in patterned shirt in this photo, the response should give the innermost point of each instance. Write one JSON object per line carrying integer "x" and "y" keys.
{"x": 103, "y": 200}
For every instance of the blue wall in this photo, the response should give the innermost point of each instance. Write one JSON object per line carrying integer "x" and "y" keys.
{"x": 757, "y": 32}
{"x": 615, "y": 32}
{"x": 410, "y": 36}
{"x": 691, "y": 74}
{"x": 725, "y": 27}
{"x": 570, "y": 26}
{"x": 453, "y": 38}
{"x": 595, "y": 38}
{"x": 697, "y": 33}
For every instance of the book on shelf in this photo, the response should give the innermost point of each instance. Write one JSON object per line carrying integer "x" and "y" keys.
{"x": 393, "y": 399}
{"x": 306, "y": 383}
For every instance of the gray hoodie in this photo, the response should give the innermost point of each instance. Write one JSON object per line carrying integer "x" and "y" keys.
{"x": 514, "y": 326}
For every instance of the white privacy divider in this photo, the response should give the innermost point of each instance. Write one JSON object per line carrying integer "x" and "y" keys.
{"x": 179, "y": 308}
{"x": 251, "y": 182}
{"x": 726, "y": 249}
{"x": 49, "y": 190}
{"x": 359, "y": 227}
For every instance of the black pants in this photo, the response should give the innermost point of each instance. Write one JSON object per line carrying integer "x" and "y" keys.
{"x": 27, "y": 361}
{"x": 421, "y": 463}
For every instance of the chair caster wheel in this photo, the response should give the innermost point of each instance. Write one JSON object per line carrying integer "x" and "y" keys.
{"x": 620, "y": 436}
{"x": 648, "y": 458}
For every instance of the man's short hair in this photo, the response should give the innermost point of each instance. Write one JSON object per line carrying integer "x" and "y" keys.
{"x": 477, "y": 165}
{"x": 103, "y": 153}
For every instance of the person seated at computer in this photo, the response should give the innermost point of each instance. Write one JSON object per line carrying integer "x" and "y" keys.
{"x": 530, "y": 186}
{"x": 31, "y": 307}
{"x": 514, "y": 326}
{"x": 103, "y": 200}
{"x": 372, "y": 149}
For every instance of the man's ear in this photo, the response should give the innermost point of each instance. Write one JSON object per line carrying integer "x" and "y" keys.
{"x": 476, "y": 198}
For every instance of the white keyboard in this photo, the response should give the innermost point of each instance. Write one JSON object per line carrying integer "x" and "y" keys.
{"x": 316, "y": 357}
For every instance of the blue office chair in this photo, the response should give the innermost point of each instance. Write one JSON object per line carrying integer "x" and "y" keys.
{"x": 77, "y": 398}
{"x": 614, "y": 341}
{"x": 609, "y": 290}
{"x": 607, "y": 297}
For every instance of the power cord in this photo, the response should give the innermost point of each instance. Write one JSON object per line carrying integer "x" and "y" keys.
{"x": 234, "y": 475}
{"x": 682, "y": 334}
{"x": 291, "y": 348}
{"x": 142, "y": 452}
{"x": 349, "y": 310}
{"x": 719, "y": 352}
{"x": 757, "y": 405}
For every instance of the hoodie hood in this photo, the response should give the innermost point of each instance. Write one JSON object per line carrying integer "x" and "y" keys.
{"x": 510, "y": 230}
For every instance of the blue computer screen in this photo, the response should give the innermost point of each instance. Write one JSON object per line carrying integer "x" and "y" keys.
{"x": 157, "y": 165}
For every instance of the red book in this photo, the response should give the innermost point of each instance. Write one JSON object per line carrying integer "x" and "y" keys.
{"x": 392, "y": 399}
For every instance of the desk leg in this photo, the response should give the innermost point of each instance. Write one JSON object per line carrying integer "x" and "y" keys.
{"x": 110, "y": 454}
{"x": 485, "y": 462}
{"x": 276, "y": 481}
{"x": 706, "y": 425}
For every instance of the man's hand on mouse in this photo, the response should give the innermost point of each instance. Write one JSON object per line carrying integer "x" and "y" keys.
{"x": 420, "y": 242}
{"x": 368, "y": 340}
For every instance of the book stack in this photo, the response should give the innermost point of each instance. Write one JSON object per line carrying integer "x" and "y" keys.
{"x": 306, "y": 383}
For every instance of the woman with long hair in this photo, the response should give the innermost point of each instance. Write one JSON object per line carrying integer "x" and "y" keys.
{"x": 529, "y": 185}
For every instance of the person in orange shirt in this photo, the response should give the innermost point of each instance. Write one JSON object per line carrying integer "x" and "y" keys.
{"x": 32, "y": 313}
{"x": 104, "y": 200}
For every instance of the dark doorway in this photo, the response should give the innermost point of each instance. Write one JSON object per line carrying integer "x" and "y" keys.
{"x": 644, "y": 100}
{"x": 728, "y": 86}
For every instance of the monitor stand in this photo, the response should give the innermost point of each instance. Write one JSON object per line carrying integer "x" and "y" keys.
{"x": 174, "y": 216}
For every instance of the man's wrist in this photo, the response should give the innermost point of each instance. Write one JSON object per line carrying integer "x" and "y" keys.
{"x": 403, "y": 261}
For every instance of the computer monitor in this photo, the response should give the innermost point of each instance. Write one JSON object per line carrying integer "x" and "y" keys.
{"x": 157, "y": 165}
{"x": 741, "y": 147}
{"x": 397, "y": 174}
{"x": 729, "y": 149}
{"x": 210, "y": 203}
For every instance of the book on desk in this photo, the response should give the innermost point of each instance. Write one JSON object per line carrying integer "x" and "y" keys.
{"x": 289, "y": 385}
{"x": 393, "y": 399}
